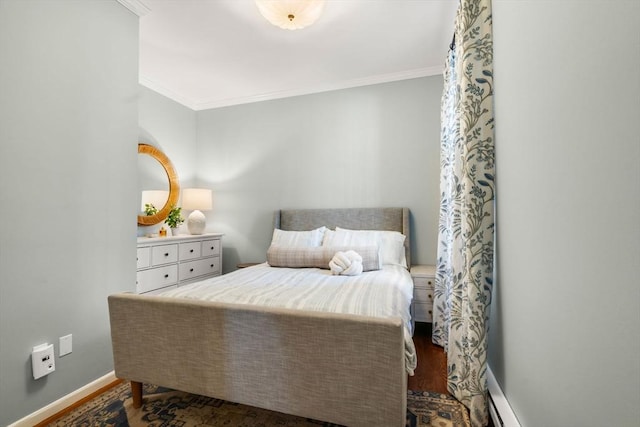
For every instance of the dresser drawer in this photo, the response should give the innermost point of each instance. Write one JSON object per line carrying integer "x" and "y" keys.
{"x": 156, "y": 278}
{"x": 190, "y": 250}
{"x": 201, "y": 267}
{"x": 144, "y": 257}
{"x": 211, "y": 247}
{"x": 422, "y": 312}
{"x": 423, "y": 290}
{"x": 164, "y": 254}
{"x": 423, "y": 282}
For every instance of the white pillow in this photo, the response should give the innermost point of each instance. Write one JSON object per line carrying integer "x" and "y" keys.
{"x": 298, "y": 239}
{"x": 327, "y": 239}
{"x": 391, "y": 243}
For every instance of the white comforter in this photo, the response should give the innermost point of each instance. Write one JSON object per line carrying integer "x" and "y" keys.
{"x": 383, "y": 293}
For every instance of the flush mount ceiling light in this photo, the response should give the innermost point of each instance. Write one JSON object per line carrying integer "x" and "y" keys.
{"x": 291, "y": 14}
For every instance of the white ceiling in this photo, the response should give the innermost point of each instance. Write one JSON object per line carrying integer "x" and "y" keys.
{"x": 213, "y": 53}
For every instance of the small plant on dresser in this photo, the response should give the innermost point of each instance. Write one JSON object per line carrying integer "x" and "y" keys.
{"x": 174, "y": 219}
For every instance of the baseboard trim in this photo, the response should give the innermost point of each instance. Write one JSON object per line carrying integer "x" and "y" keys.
{"x": 67, "y": 401}
{"x": 499, "y": 409}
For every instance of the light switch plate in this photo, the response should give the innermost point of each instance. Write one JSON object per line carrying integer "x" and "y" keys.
{"x": 65, "y": 345}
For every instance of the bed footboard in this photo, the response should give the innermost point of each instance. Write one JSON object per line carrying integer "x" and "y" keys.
{"x": 339, "y": 368}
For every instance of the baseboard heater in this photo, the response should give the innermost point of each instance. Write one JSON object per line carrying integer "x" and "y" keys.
{"x": 499, "y": 409}
{"x": 493, "y": 413}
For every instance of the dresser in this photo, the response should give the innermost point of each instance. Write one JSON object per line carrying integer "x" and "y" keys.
{"x": 169, "y": 262}
{"x": 424, "y": 279}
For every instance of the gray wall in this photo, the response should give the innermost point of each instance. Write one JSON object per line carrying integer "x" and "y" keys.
{"x": 68, "y": 129}
{"x": 369, "y": 146}
{"x": 171, "y": 127}
{"x": 564, "y": 334}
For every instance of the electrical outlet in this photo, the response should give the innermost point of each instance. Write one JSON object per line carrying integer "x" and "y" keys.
{"x": 42, "y": 360}
{"x": 65, "y": 345}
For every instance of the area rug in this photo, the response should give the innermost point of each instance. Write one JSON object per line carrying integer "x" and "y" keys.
{"x": 163, "y": 407}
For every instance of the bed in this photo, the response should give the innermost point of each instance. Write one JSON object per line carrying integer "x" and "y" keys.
{"x": 348, "y": 367}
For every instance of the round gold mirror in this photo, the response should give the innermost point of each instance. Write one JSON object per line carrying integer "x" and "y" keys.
{"x": 174, "y": 186}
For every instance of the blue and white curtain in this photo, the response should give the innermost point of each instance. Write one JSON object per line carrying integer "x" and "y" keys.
{"x": 466, "y": 232}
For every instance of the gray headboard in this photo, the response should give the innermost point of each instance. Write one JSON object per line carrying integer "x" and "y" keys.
{"x": 393, "y": 219}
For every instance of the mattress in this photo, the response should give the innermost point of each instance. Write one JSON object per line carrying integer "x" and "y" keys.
{"x": 382, "y": 293}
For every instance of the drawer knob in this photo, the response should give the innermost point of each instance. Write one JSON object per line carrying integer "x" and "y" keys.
{"x": 211, "y": 265}
{"x": 166, "y": 254}
{"x": 212, "y": 247}
{"x": 191, "y": 270}
{"x": 429, "y": 282}
{"x": 166, "y": 276}
{"x": 430, "y": 296}
{"x": 191, "y": 251}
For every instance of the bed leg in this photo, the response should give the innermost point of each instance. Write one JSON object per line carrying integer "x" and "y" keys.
{"x": 136, "y": 394}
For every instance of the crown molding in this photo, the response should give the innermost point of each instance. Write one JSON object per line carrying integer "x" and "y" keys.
{"x": 346, "y": 84}
{"x": 135, "y": 6}
{"x": 150, "y": 84}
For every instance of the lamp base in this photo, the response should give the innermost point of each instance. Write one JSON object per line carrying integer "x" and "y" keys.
{"x": 196, "y": 222}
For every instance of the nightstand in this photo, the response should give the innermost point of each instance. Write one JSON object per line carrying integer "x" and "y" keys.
{"x": 246, "y": 264}
{"x": 424, "y": 279}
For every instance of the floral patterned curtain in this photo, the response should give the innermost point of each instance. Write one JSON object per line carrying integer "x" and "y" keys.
{"x": 466, "y": 231}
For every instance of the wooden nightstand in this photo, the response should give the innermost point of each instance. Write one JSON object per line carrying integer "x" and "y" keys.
{"x": 246, "y": 264}
{"x": 424, "y": 279}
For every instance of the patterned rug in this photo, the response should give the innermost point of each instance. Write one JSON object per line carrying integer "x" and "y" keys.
{"x": 168, "y": 408}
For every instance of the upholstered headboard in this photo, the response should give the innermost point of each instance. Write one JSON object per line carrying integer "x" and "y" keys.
{"x": 392, "y": 219}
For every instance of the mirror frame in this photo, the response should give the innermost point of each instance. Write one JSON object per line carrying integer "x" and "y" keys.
{"x": 174, "y": 185}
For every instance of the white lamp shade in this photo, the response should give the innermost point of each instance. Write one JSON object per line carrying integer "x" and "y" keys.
{"x": 157, "y": 198}
{"x": 197, "y": 198}
{"x": 291, "y": 14}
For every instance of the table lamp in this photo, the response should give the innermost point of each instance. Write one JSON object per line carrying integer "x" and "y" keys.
{"x": 197, "y": 200}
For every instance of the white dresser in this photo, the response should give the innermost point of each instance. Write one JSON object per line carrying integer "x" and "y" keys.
{"x": 424, "y": 279}
{"x": 168, "y": 262}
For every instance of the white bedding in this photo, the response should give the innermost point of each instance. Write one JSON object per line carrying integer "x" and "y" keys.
{"x": 382, "y": 293}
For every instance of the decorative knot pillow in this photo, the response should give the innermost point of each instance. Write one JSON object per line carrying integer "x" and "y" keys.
{"x": 391, "y": 243}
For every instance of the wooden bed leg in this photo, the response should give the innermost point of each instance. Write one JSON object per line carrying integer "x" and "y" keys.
{"x": 136, "y": 394}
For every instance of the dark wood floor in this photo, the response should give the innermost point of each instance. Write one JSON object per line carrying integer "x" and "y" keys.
{"x": 431, "y": 373}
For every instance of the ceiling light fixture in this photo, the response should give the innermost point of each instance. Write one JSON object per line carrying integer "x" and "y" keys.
{"x": 291, "y": 14}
